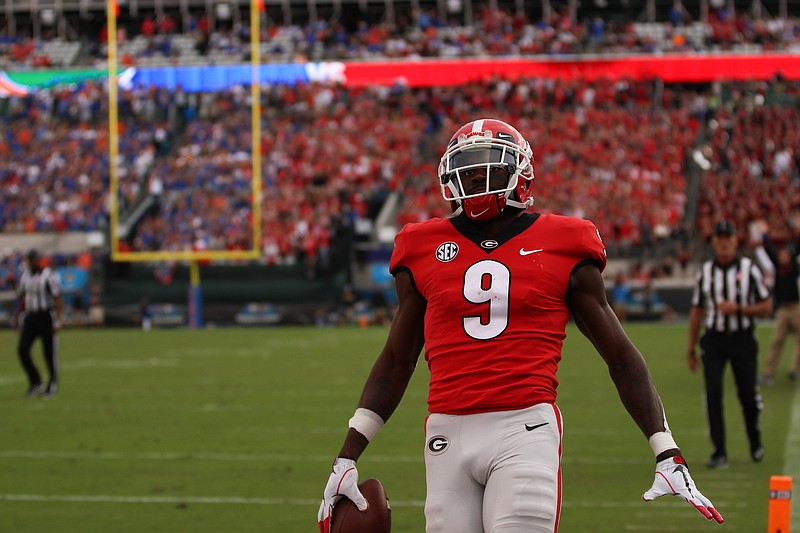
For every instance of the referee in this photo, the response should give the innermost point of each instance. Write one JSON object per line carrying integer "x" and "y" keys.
{"x": 729, "y": 293}
{"x": 39, "y": 293}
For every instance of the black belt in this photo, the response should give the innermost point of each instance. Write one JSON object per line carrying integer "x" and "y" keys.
{"x": 726, "y": 334}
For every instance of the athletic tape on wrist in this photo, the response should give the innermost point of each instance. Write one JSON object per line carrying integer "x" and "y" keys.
{"x": 661, "y": 442}
{"x": 366, "y": 422}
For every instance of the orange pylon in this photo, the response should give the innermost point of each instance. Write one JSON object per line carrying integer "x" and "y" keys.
{"x": 780, "y": 504}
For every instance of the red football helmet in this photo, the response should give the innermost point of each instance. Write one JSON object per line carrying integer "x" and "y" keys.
{"x": 504, "y": 159}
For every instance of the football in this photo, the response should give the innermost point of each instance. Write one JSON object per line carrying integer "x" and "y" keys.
{"x": 346, "y": 517}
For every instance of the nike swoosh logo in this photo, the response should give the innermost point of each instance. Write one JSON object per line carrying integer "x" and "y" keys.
{"x": 523, "y": 251}
{"x": 475, "y": 215}
{"x": 530, "y": 427}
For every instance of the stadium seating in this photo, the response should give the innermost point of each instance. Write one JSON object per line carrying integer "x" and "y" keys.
{"x": 157, "y": 39}
{"x": 754, "y": 174}
{"x": 599, "y": 159}
{"x": 615, "y": 152}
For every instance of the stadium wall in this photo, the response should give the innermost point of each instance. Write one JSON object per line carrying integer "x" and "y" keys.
{"x": 222, "y": 284}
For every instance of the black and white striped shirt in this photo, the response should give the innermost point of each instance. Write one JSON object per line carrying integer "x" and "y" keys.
{"x": 39, "y": 289}
{"x": 741, "y": 282}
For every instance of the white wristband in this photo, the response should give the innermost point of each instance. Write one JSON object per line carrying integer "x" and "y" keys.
{"x": 661, "y": 442}
{"x": 366, "y": 422}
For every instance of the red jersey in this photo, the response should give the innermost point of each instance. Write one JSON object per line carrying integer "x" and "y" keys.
{"x": 496, "y": 306}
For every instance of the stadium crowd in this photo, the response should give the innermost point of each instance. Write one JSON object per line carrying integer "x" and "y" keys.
{"x": 754, "y": 162}
{"x": 422, "y": 33}
{"x": 616, "y": 152}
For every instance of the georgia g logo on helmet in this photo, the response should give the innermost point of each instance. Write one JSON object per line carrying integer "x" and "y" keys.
{"x": 473, "y": 169}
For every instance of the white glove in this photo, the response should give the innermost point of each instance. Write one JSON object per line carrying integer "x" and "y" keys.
{"x": 342, "y": 483}
{"x": 672, "y": 477}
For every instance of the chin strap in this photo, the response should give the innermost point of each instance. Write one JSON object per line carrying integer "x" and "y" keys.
{"x": 520, "y": 205}
{"x": 509, "y": 202}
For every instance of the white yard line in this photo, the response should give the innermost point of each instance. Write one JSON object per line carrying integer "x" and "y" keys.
{"x": 12, "y": 380}
{"x": 198, "y": 456}
{"x": 261, "y": 457}
{"x": 109, "y": 498}
{"x": 116, "y": 364}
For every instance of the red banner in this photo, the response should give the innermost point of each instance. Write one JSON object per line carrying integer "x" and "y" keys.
{"x": 672, "y": 68}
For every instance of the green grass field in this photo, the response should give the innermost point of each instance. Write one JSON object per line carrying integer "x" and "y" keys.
{"x": 234, "y": 430}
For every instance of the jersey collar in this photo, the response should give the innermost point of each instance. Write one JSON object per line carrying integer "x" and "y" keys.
{"x": 488, "y": 243}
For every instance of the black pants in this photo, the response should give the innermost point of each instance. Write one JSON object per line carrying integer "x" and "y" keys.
{"x": 38, "y": 324}
{"x": 741, "y": 349}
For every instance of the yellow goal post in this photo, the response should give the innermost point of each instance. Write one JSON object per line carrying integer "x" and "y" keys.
{"x": 113, "y": 152}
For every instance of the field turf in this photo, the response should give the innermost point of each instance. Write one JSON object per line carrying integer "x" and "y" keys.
{"x": 233, "y": 430}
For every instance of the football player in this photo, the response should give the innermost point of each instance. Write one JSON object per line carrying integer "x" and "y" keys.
{"x": 488, "y": 293}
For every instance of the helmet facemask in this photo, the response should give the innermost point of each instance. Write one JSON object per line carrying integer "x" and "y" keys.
{"x": 503, "y": 165}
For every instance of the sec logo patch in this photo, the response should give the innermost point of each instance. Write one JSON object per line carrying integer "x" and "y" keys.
{"x": 446, "y": 252}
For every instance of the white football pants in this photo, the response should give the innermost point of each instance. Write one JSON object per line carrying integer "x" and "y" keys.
{"x": 496, "y": 472}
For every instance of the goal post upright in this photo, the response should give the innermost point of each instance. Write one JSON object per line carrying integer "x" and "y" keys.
{"x": 113, "y": 125}
{"x": 192, "y": 257}
{"x": 256, "y": 7}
